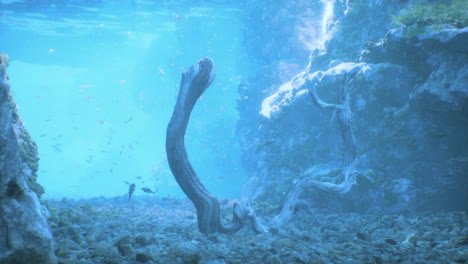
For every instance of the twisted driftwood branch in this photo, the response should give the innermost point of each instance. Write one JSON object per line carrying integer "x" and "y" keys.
{"x": 194, "y": 82}
{"x": 350, "y": 159}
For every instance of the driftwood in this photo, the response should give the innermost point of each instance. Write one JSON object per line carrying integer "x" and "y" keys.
{"x": 194, "y": 82}
{"x": 350, "y": 158}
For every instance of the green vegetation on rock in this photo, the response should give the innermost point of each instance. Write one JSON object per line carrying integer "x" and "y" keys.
{"x": 437, "y": 15}
{"x": 28, "y": 151}
{"x": 27, "y": 147}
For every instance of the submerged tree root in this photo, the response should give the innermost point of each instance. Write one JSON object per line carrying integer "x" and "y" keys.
{"x": 350, "y": 158}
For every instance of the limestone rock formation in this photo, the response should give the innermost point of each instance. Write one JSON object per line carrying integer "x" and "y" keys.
{"x": 24, "y": 233}
{"x": 409, "y": 102}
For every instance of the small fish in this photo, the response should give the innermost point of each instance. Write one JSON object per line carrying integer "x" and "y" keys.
{"x": 176, "y": 17}
{"x": 161, "y": 70}
{"x": 123, "y": 81}
{"x": 51, "y": 51}
{"x": 147, "y": 190}
{"x": 128, "y": 120}
{"x": 131, "y": 189}
{"x": 262, "y": 146}
{"x": 57, "y": 147}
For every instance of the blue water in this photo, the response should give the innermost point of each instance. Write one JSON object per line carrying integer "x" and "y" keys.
{"x": 96, "y": 82}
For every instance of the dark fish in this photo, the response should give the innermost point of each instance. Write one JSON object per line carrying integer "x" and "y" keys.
{"x": 57, "y": 147}
{"x": 128, "y": 120}
{"x": 267, "y": 142}
{"x": 147, "y": 190}
{"x": 263, "y": 145}
{"x": 131, "y": 190}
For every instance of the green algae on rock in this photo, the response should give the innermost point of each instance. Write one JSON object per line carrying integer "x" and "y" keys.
{"x": 432, "y": 17}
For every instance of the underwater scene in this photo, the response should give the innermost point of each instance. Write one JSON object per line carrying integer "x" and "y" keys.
{"x": 233, "y": 131}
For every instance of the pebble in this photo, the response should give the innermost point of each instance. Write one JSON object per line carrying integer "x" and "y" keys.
{"x": 143, "y": 257}
{"x": 134, "y": 234}
{"x": 125, "y": 249}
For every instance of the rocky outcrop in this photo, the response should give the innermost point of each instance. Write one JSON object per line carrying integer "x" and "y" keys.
{"x": 24, "y": 234}
{"x": 409, "y": 103}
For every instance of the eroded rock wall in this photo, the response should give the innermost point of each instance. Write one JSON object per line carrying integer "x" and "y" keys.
{"x": 409, "y": 100}
{"x": 24, "y": 233}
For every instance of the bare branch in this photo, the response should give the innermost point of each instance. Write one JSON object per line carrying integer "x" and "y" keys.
{"x": 194, "y": 82}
